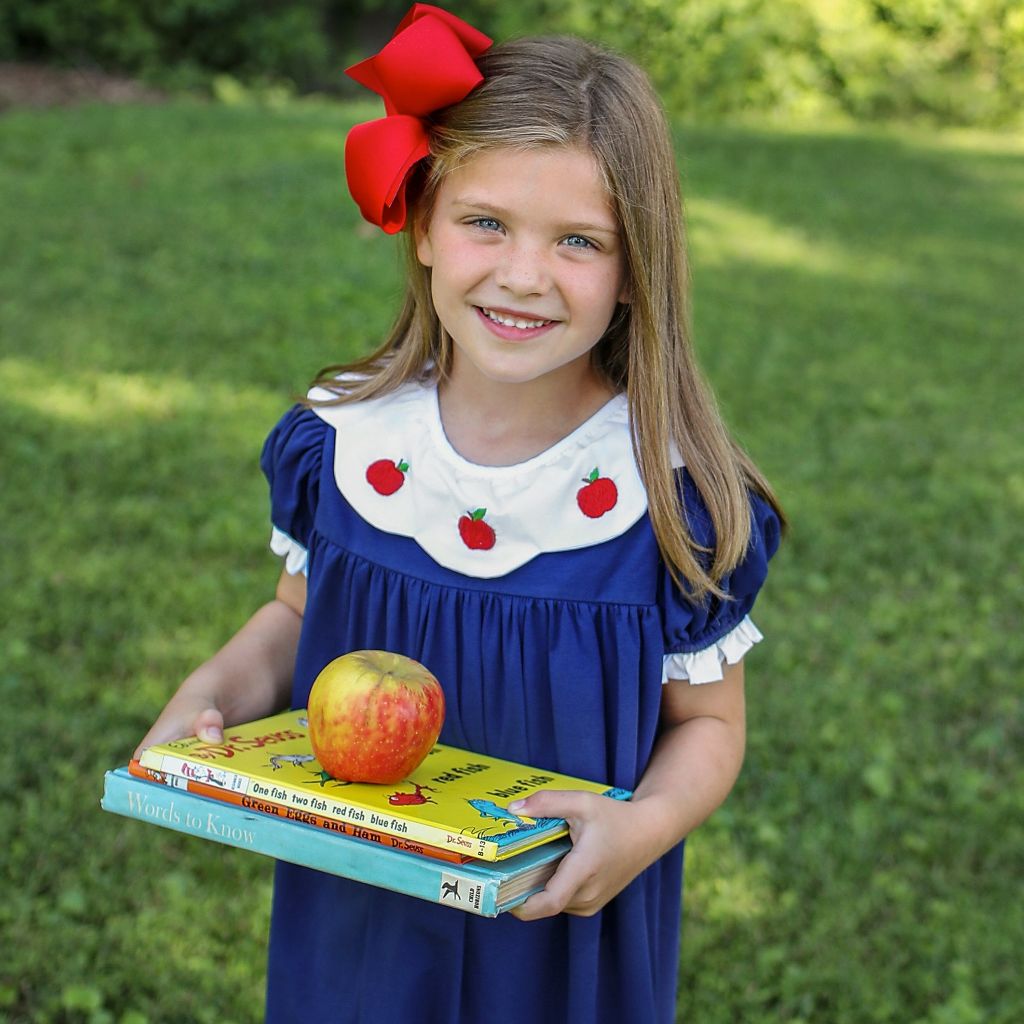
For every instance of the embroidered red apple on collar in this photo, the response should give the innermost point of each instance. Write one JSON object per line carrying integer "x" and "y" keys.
{"x": 598, "y": 496}
{"x": 475, "y": 533}
{"x": 385, "y": 476}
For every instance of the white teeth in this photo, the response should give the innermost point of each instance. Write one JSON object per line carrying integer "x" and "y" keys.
{"x": 510, "y": 321}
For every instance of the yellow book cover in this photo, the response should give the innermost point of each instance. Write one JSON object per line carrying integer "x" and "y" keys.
{"x": 456, "y": 800}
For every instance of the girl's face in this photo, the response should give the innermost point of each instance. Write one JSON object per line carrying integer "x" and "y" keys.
{"x": 526, "y": 264}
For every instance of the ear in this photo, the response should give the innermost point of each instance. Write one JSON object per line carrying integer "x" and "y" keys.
{"x": 625, "y": 295}
{"x": 424, "y": 247}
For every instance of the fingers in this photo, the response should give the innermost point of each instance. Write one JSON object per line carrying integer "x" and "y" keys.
{"x": 555, "y": 803}
{"x": 567, "y": 891}
{"x": 207, "y": 724}
{"x": 574, "y": 887}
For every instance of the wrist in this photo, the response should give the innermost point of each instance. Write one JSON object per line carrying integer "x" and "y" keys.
{"x": 658, "y": 823}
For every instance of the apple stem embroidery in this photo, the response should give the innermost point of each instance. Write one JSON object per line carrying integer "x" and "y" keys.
{"x": 475, "y": 533}
{"x": 599, "y": 495}
{"x": 385, "y": 476}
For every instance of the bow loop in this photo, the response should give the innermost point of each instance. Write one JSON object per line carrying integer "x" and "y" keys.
{"x": 428, "y": 64}
{"x": 378, "y": 158}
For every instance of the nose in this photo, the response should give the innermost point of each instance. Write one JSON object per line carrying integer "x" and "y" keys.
{"x": 523, "y": 270}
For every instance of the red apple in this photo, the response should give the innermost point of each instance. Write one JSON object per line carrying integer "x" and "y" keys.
{"x": 599, "y": 496}
{"x": 385, "y": 476}
{"x": 475, "y": 533}
{"x": 373, "y": 716}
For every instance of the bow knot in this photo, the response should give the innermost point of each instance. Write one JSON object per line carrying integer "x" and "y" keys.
{"x": 429, "y": 63}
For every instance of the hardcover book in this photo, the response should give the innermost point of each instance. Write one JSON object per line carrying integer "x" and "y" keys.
{"x": 475, "y": 887}
{"x": 251, "y": 803}
{"x": 455, "y": 800}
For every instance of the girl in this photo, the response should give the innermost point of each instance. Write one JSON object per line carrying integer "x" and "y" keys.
{"x": 529, "y": 490}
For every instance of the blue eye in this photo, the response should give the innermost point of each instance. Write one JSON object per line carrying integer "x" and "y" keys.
{"x": 578, "y": 242}
{"x": 486, "y": 223}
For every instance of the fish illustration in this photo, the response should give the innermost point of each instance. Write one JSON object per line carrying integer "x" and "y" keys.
{"x": 410, "y": 799}
{"x": 489, "y": 809}
{"x": 277, "y": 760}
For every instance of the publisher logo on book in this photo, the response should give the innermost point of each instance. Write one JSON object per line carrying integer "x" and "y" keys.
{"x": 457, "y": 892}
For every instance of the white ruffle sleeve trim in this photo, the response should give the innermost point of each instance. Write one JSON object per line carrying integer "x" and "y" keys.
{"x": 706, "y": 666}
{"x": 294, "y": 554}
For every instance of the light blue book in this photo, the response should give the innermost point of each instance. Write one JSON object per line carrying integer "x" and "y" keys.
{"x": 478, "y": 887}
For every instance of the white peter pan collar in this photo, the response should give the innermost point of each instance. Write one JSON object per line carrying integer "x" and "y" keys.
{"x": 482, "y": 521}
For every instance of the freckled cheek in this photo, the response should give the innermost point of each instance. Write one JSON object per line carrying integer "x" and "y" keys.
{"x": 465, "y": 265}
{"x": 592, "y": 292}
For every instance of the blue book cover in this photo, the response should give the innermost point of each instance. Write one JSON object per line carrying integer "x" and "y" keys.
{"x": 478, "y": 887}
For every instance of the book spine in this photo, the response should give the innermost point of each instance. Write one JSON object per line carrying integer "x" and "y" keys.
{"x": 463, "y": 887}
{"x": 320, "y": 803}
{"x": 292, "y": 814}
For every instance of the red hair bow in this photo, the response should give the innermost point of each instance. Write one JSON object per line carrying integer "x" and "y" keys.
{"x": 428, "y": 64}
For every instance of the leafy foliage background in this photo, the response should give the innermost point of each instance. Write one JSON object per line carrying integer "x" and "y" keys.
{"x": 952, "y": 61}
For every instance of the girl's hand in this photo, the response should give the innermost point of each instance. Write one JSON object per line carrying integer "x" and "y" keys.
{"x": 613, "y": 841}
{"x": 186, "y": 714}
{"x": 694, "y": 765}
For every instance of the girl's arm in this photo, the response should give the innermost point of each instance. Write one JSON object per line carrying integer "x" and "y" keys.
{"x": 693, "y": 767}
{"x": 248, "y": 678}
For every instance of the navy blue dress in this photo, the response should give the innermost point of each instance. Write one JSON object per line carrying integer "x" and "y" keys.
{"x": 558, "y": 662}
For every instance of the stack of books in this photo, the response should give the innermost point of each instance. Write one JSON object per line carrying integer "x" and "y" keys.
{"x": 444, "y": 834}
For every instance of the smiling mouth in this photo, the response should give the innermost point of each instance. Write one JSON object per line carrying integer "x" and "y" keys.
{"x": 506, "y": 320}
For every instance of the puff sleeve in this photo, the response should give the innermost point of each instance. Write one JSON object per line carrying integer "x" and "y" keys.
{"x": 699, "y": 637}
{"x": 291, "y": 460}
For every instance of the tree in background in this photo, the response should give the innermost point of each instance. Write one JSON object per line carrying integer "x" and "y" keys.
{"x": 173, "y": 43}
{"x": 954, "y": 61}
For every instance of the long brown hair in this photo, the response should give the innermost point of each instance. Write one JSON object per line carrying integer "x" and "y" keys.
{"x": 564, "y": 91}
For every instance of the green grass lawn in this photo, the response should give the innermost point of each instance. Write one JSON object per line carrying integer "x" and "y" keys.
{"x": 174, "y": 274}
